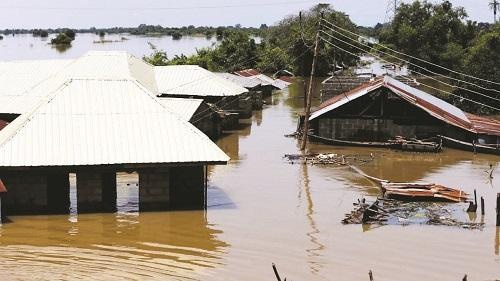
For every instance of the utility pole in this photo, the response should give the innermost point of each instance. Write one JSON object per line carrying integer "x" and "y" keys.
{"x": 495, "y": 6}
{"x": 310, "y": 89}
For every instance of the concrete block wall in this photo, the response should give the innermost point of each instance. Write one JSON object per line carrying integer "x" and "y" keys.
{"x": 370, "y": 129}
{"x": 154, "y": 189}
{"x": 187, "y": 187}
{"x": 27, "y": 193}
{"x": 95, "y": 191}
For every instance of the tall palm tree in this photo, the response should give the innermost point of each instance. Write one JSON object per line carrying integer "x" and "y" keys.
{"x": 495, "y": 6}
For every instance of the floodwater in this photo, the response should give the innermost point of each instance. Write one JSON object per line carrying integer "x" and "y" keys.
{"x": 27, "y": 47}
{"x": 263, "y": 210}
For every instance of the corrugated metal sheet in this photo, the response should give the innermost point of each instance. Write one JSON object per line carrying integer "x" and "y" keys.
{"x": 432, "y": 105}
{"x": 246, "y": 82}
{"x": 484, "y": 125}
{"x": 96, "y": 122}
{"x": 265, "y": 80}
{"x": 17, "y": 77}
{"x": 185, "y": 108}
{"x": 191, "y": 80}
{"x": 17, "y": 104}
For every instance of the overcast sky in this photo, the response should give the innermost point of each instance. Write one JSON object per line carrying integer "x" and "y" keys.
{"x": 109, "y": 13}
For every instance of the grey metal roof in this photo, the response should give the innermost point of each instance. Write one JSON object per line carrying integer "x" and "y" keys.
{"x": 184, "y": 108}
{"x": 103, "y": 121}
{"x": 192, "y": 80}
{"x": 246, "y": 82}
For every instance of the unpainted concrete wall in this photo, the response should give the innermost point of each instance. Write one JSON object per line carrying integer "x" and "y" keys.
{"x": 371, "y": 129}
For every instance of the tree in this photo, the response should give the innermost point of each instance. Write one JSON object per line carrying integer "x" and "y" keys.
{"x": 433, "y": 32}
{"x": 158, "y": 57}
{"x": 61, "y": 39}
{"x": 102, "y": 34}
{"x": 296, "y": 38}
{"x": 483, "y": 60}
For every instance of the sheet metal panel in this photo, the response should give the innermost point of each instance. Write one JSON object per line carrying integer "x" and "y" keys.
{"x": 192, "y": 80}
{"x": 96, "y": 122}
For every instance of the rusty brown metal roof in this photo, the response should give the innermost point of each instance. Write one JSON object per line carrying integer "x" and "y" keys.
{"x": 248, "y": 72}
{"x": 484, "y": 125}
{"x": 431, "y": 104}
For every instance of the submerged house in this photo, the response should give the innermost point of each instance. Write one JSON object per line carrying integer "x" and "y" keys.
{"x": 192, "y": 81}
{"x": 197, "y": 112}
{"x": 268, "y": 84}
{"x": 385, "y": 108}
{"x": 97, "y": 116}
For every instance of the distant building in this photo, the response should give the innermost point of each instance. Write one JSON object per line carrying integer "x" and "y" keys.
{"x": 385, "y": 108}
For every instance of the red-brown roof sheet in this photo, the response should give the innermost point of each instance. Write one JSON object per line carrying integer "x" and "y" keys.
{"x": 484, "y": 125}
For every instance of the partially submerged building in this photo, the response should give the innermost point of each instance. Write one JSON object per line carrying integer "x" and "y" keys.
{"x": 97, "y": 116}
{"x": 191, "y": 81}
{"x": 196, "y": 111}
{"x": 385, "y": 108}
{"x": 267, "y": 83}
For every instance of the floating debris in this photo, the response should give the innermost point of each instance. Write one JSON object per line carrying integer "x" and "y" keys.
{"x": 329, "y": 159}
{"x": 416, "y": 145}
{"x": 393, "y": 212}
{"x": 416, "y": 191}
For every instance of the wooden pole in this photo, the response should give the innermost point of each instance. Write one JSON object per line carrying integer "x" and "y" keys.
{"x": 482, "y": 205}
{"x": 475, "y": 197}
{"x": 498, "y": 209}
{"x": 310, "y": 89}
{"x": 276, "y": 273}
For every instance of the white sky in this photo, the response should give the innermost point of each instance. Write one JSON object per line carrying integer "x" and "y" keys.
{"x": 129, "y": 13}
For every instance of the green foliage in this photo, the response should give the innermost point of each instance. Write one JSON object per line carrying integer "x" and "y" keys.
{"x": 158, "y": 57}
{"x": 61, "y": 39}
{"x": 434, "y": 32}
{"x": 102, "y": 33}
{"x": 176, "y": 35}
{"x": 297, "y": 39}
{"x": 483, "y": 59}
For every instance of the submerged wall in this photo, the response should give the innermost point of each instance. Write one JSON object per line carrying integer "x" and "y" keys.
{"x": 47, "y": 191}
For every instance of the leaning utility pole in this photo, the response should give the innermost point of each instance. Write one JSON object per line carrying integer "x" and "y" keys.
{"x": 307, "y": 110}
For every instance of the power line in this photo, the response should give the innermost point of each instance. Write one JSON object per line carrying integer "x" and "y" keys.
{"x": 416, "y": 58}
{"x": 430, "y": 77}
{"x": 282, "y": 3}
{"x": 431, "y": 87}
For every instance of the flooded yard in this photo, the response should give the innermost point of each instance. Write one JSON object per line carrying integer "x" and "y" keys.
{"x": 264, "y": 210}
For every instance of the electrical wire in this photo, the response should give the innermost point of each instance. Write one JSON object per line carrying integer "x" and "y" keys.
{"x": 418, "y": 66}
{"x": 417, "y": 58}
{"x": 430, "y": 77}
{"x": 431, "y": 87}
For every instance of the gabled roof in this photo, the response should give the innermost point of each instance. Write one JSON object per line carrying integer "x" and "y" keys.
{"x": 31, "y": 80}
{"x": 184, "y": 108}
{"x": 265, "y": 80}
{"x": 246, "y": 82}
{"x": 102, "y": 122}
{"x": 429, "y": 103}
{"x": 192, "y": 80}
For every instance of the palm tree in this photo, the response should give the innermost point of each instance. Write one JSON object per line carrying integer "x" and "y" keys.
{"x": 495, "y": 6}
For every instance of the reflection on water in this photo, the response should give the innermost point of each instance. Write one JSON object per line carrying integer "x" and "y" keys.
{"x": 103, "y": 246}
{"x": 316, "y": 250}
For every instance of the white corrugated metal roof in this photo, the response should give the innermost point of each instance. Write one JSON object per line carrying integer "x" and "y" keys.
{"x": 17, "y": 77}
{"x": 192, "y": 80}
{"x": 185, "y": 108}
{"x": 106, "y": 121}
{"x": 246, "y": 82}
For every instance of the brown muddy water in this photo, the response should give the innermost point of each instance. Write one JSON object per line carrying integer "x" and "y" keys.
{"x": 264, "y": 210}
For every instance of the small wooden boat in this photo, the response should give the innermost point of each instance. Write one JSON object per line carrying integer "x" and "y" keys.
{"x": 473, "y": 147}
{"x": 348, "y": 143}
